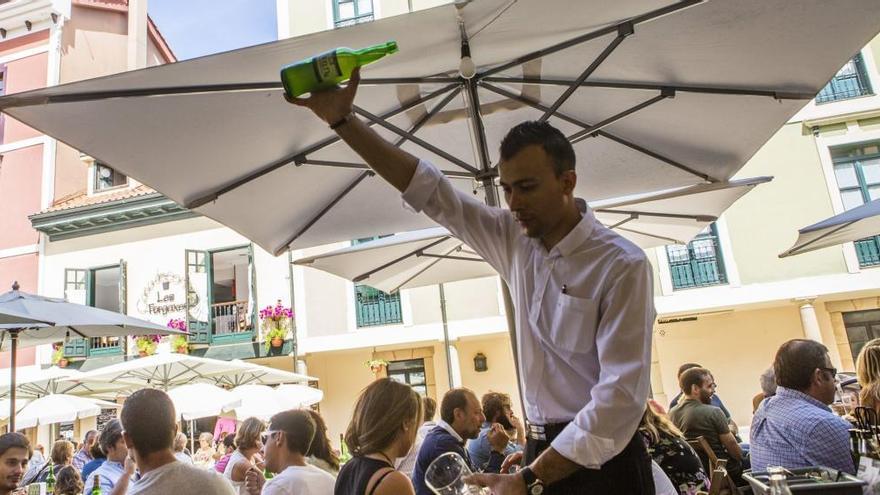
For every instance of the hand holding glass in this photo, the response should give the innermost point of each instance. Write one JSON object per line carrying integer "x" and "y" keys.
{"x": 445, "y": 476}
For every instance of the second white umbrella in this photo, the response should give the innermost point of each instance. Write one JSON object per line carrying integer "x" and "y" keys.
{"x": 201, "y": 400}
{"x": 59, "y": 408}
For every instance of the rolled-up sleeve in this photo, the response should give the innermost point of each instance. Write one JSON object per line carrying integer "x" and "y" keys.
{"x": 604, "y": 427}
{"x": 487, "y": 230}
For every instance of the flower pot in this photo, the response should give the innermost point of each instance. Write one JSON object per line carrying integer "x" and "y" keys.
{"x": 182, "y": 349}
{"x": 277, "y": 342}
{"x": 142, "y": 353}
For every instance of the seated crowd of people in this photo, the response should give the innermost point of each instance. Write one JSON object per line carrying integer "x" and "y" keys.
{"x": 393, "y": 437}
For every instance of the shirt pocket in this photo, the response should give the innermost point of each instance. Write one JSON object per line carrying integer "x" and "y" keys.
{"x": 574, "y": 324}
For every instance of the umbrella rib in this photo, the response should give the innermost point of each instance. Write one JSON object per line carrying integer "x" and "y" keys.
{"x": 379, "y": 81}
{"x": 300, "y": 155}
{"x": 637, "y": 214}
{"x": 776, "y": 95}
{"x": 327, "y": 208}
{"x": 423, "y": 270}
{"x": 605, "y": 134}
{"x": 429, "y": 115}
{"x": 414, "y": 252}
{"x": 649, "y": 16}
{"x": 639, "y": 232}
{"x": 594, "y": 129}
{"x": 415, "y": 139}
{"x": 363, "y": 166}
{"x": 445, "y": 257}
{"x": 623, "y": 30}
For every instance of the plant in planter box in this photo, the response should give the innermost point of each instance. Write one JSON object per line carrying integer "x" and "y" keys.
{"x": 179, "y": 343}
{"x": 276, "y": 321}
{"x": 58, "y": 358}
{"x": 376, "y": 365}
{"x": 146, "y": 344}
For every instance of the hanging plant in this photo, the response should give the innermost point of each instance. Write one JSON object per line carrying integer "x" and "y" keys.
{"x": 276, "y": 322}
{"x": 376, "y": 365}
{"x": 180, "y": 343}
{"x": 146, "y": 344}
{"x": 58, "y": 358}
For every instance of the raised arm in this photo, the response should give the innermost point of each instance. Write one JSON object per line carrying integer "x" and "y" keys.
{"x": 335, "y": 108}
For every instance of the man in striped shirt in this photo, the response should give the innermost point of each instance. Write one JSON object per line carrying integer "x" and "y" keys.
{"x": 83, "y": 456}
{"x": 114, "y": 467}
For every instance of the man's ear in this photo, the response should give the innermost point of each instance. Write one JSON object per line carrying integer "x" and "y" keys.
{"x": 569, "y": 181}
{"x": 127, "y": 439}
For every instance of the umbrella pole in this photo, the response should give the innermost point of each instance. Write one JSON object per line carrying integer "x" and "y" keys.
{"x": 14, "y": 362}
{"x": 446, "y": 344}
{"x": 192, "y": 437}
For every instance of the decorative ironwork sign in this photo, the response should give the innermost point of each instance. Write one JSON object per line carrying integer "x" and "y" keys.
{"x": 165, "y": 295}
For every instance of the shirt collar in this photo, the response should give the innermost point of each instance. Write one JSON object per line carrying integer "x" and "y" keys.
{"x": 788, "y": 393}
{"x": 446, "y": 426}
{"x": 578, "y": 235}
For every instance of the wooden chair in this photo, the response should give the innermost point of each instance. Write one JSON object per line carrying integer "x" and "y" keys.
{"x": 721, "y": 482}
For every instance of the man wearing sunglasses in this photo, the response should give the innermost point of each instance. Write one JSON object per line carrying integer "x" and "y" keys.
{"x": 795, "y": 428}
{"x": 286, "y": 444}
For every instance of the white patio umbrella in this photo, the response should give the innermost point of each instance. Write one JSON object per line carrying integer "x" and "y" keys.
{"x": 167, "y": 370}
{"x": 36, "y": 382}
{"x": 434, "y": 256}
{"x": 59, "y": 408}
{"x": 201, "y": 400}
{"x": 857, "y": 223}
{"x": 5, "y": 405}
{"x": 61, "y": 320}
{"x": 654, "y": 95}
{"x": 261, "y": 401}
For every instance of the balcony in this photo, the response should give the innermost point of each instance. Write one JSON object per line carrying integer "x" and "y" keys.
{"x": 94, "y": 347}
{"x": 230, "y": 324}
{"x": 850, "y": 82}
{"x": 868, "y": 252}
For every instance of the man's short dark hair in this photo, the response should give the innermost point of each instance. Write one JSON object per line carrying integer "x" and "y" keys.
{"x": 493, "y": 404}
{"x": 429, "y": 407}
{"x": 456, "y": 398}
{"x": 15, "y": 440}
{"x": 110, "y": 435}
{"x": 298, "y": 427}
{"x": 551, "y": 139}
{"x": 229, "y": 441}
{"x": 795, "y": 362}
{"x": 691, "y": 377}
{"x": 148, "y": 417}
{"x": 685, "y": 367}
{"x": 96, "y": 451}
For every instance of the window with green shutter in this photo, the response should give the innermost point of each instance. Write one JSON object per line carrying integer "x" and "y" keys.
{"x": 374, "y": 307}
{"x": 350, "y": 12}
{"x": 857, "y": 170}
{"x": 699, "y": 263}
{"x": 851, "y": 81}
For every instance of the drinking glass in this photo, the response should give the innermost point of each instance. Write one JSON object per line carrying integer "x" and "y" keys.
{"x": 445, "y": 476}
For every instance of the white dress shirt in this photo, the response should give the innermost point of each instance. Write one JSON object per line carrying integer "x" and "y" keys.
{"x": 584, "y": 313}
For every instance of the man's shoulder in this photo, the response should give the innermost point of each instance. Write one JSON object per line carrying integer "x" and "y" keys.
{"x": 626, "y": 251}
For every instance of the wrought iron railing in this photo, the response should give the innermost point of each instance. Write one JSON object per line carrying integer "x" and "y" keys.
{"x": 868, "y": 251}
{"x": 351, "y": 21}
{"x": 851, "y": 81}
{"x": 374, "y": 307}
{"x": 231, "y": 317}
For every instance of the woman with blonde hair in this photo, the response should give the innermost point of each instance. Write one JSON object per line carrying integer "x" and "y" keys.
{"x": 669, "y": 449}
{"x": 868, "y": 374}
{"x": 68, "y": 482}
{"x": 384, "y": 425}
{"x": 250, "y": 443}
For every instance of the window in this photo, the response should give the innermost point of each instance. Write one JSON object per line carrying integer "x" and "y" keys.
{"x": 699, "y": 264}
{"x": 851, "y": 81}
{"x": 350, "y": 12}
{"x": 861, "y": 326}
{"x": 372, "y": 306}
{"x": 410, "y": 372}
{"x": 101, "y": 287}
{"x": 107, "y": 178}
{"x": 857, "y": 170}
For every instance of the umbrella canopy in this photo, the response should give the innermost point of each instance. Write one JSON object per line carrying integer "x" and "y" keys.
{"x": 434, "y": 256}
{"x": 59, "y": 408}
{"x": 33, "y": 383}
{"x": 201, "y": 400}
{"x": 5, "y": 404}
{"x": 852, "y": 225}
{"x": 653, "y": 94}
{"x": 168, "y": 370}
{"x": 263, "y": 402}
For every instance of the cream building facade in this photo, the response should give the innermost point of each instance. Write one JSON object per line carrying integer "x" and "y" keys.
{"x": 725, "y": 301}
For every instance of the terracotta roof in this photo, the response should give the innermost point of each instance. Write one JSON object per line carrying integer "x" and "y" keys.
{"x": 82, "y": 199}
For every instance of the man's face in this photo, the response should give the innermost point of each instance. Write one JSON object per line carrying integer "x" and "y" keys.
{"x": 118, "y": 452}
{"x": 827, "y": 384}
{"x": 275, "y": 442}
{"x": 89, "y": 441}
{"x": 469, "y": 419}
{"x": 535, "y": 195}
{"x": 13, "y": 464}
{"x": 707, "y": 389}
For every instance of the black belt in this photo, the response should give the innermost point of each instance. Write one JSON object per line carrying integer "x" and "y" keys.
{"x": 545, "y": 433}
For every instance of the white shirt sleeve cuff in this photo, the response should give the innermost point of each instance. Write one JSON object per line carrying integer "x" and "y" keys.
{"x": 584, "y": 448}
{"x": 422, "y": 186}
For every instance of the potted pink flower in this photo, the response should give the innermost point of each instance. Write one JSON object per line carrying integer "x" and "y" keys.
{"x": 179, "y": 343}
{"x": 276, "y": 323}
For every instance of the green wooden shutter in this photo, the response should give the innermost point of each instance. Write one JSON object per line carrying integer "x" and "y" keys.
{"x": 198, "y": 296}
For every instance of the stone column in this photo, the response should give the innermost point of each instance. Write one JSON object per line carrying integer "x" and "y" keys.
{"x": 809, "y": 321}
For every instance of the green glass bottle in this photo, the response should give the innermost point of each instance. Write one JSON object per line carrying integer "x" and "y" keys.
{"x": 267, "y": 474}
{"x": 50, "y": 479}
{"x": 328, "y": 69}
{"x": 344, "y": 455}
{"x": 96, "y": 488}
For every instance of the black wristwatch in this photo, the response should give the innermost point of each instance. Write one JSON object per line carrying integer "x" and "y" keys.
{"x": 534, "y": 486}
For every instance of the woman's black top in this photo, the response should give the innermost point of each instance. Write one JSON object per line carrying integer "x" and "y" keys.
{"x": 355, "y": 475}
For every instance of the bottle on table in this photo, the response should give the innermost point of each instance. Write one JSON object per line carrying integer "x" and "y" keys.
{"x": 96, "y": 488}
{"x": 778, "y": 483}
{"x": 330, "y": 68}
{"x": 344, "y": 455}
{"x": 50, "y": 479}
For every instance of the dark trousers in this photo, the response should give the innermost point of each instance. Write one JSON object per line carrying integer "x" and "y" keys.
{"x": 627, "y": 473}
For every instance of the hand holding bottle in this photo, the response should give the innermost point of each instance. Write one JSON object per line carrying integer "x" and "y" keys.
{"x": 331, "y": 105}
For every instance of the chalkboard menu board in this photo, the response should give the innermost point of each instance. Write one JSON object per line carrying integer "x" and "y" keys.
{"x": 105, "y": 417}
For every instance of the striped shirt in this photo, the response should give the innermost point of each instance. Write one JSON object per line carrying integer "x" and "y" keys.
{"x": 108, "y": 474}
{"x": 793, "y": 430}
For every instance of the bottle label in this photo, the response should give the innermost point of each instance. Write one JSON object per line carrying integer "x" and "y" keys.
{"x": 326, "y": 66}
